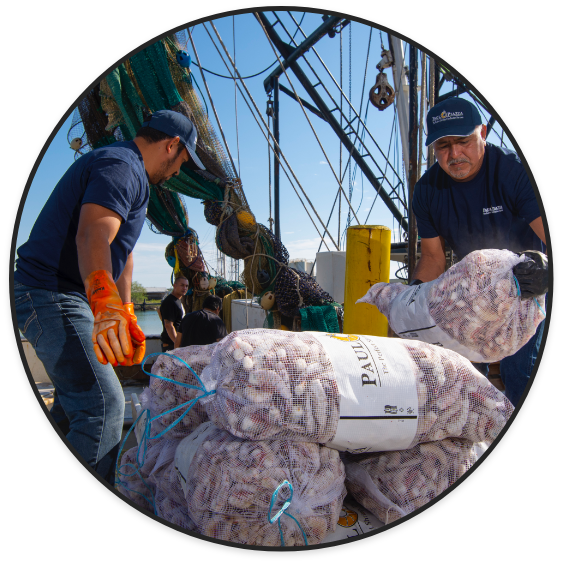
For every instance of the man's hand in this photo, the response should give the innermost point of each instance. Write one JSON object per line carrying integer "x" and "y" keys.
{"x": 111, "y": 337}
{"x": 532, "y": 274}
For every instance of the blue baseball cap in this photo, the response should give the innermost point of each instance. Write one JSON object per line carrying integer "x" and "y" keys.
{"x": 176, "y": 124}
{"x": 454, "y": 116}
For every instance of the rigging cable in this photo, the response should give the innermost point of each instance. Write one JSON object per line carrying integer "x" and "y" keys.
{"x": 392, "y": 187}
{"x": 270, "y": 134}
{"x": 235, "y": 85}
{"x": 308, "y": 120}
{"x": 213, "y": 105}
{"x": 244, "y": 77}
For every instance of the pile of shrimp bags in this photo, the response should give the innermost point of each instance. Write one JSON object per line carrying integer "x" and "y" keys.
{"x": 475, "y": 307}
{"x": 272, "y": 449}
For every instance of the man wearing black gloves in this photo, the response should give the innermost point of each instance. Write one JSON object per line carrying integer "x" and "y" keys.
{"x": 172, "y": 312}
{"x": 202, "y": 327}
{"x": 478, "y": 196}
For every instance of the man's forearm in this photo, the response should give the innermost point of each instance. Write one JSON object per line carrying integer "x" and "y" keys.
{"x": 93, "y": 253}
{"x": 178, "y": 340}
{"x": 125, "y": 280}
{"x": 428, "y": 269}
{"x": 97, "y": 228}
{"x": 170, "y": 330}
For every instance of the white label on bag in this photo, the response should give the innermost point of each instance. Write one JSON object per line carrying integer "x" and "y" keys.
{"x": 187, "y": 448}
{"x": 378, "y": 401}
{"x": 410, "y": 318}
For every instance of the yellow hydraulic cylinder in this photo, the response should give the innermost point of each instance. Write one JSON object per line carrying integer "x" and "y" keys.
{"x": 368, "y": 261}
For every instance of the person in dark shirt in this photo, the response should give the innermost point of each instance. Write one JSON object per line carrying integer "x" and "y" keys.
{"x": 476, "y": 196}
{"x": 202, "y": 327}
{"x": 172, "y": 312}
{"x": 72, "y": 286}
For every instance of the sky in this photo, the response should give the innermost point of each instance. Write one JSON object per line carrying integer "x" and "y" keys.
{"x": 248, "y": 46}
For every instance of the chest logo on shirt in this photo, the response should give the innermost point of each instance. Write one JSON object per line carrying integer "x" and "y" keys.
{"x": 494, "y": 209}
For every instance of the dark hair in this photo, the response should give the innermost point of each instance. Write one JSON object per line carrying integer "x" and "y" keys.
{"x": 180, "y": 277}
{"x": 151, "y": 136}
{"x": 212, "y": 302}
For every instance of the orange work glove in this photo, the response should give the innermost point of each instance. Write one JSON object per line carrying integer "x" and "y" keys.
{"x": 111, "y": 336}
{"x": 137, "y": 335}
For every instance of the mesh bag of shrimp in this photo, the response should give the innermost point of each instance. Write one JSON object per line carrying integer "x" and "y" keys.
{"x": 474, "y": 308}
{"x": 141, "y": 469}
{"x": 173, "y": 510}
{"x": 168, "y": 392}
{"x": 131, "y": 482}
{"x": 394, "y": 484}
{"x": 264, "y": 493}
{"x": 351, "y": 392}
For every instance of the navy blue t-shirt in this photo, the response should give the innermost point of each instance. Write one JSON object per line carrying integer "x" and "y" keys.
{"x": 113, "y": 177}
{"x": 492, "y": 211}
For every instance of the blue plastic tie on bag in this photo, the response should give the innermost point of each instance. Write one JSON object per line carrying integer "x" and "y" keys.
{"x": 146, "y": 436}
{"x": 283, "y": 511}
{"x": 517, "y": 285}
{"x": 189, "y": 404}
{"x": 119, "y": 472}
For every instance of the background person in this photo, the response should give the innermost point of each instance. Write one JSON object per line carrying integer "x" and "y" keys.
{"x": 172, "y": 312}
{"x": 72, "y": 285}
{"x": 202, "y": 327}
{"x": 478, "y": 196}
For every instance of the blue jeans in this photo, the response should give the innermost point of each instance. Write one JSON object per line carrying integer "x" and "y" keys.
{"x": 89, "y": 404}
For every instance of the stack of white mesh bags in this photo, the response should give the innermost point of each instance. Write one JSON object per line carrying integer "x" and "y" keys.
{"x": 281, "y": 406}
{"x": 474, "y": 308}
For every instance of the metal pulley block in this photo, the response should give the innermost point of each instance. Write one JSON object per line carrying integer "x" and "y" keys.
{"x": 381, "y": 95}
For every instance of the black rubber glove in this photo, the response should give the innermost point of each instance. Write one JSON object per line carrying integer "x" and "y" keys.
{"x": 415, "y": 282}
{"x": 532, "y": 274}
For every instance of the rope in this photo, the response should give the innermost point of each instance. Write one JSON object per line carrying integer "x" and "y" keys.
{"x": 235, "y": 85}
{"x": 212, "y": 104}
{"x": 422, "y": 112}
{"x": 358, "y": 117}
{"x": 278, "y": 148}
{"x": 283, "y": 510}
{"x": 310, "y": 124}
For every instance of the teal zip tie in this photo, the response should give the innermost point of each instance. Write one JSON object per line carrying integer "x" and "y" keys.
{"x": 283, "y": 511}
{"x": 189, "y": 404}
{"x": 541, "y": 308}
{"x": 119, "y": 482}
{"x": 517, "y": 285}
{"x": 143, "y": 444}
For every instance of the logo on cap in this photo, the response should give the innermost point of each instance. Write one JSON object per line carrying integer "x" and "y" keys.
{"x": 446, "y": 116}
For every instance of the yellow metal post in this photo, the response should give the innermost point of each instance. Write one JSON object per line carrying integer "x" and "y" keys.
{"x": 368, "y": 256}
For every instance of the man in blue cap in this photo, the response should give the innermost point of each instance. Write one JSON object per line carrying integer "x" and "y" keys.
{"x": 73, "y": 279}
{"x": 478, "y": 196}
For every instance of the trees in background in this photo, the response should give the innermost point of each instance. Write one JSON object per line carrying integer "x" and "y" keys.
{"x": 138, "y": 292}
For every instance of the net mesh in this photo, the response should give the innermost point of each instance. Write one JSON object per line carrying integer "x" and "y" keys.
{"x": 163, "y": 395}
{"x": 394, "y": 484}
{"x": 280, "y": 384}
{"x": 231, "y": 482}
{"x": 477, "y": 303}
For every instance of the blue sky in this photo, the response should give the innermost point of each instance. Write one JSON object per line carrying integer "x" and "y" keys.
{"x": 249, "y": 147}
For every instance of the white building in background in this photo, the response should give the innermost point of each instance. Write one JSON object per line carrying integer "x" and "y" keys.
{"x": 156, "y": 293}
{"x": 304, "y": 265}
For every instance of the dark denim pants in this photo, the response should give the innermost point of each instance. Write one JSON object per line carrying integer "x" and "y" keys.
{"x": 89, "y": 404}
